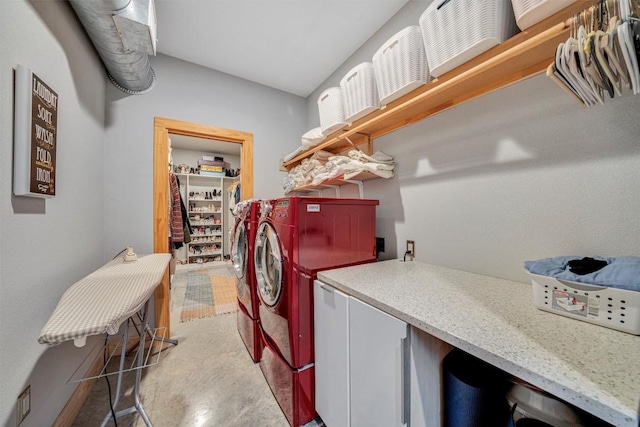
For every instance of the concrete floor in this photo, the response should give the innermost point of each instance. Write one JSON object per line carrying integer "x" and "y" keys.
{"x": 208, "y": 379}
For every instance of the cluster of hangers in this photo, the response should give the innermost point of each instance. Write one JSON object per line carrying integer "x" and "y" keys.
{"x": 600, "y": 57}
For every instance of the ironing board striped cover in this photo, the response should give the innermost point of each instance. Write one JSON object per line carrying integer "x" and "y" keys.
{"x": 100, "y": 302}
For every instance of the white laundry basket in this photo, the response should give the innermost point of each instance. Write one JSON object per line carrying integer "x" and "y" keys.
{"x": 610, "y": 307}
{"x": 400, "y": 65}
{"x": 455, "y": 31}
{"x": 359, "y": 92}
{"x": 331, "y": 110}
{"x": 530, "y": 12}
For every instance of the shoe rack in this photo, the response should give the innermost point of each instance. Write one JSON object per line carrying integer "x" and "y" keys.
{"x": 207, "y": 206}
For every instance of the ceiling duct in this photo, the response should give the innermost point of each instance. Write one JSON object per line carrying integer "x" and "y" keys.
{"x": 124, "y": 34}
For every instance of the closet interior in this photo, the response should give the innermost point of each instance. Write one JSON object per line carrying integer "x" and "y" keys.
{"x": 207, "y": 176}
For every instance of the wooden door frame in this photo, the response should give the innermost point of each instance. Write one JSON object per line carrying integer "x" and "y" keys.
{"x": 162, "y": 128}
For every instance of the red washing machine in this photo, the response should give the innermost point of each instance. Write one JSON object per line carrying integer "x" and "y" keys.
{"x": 243, "y": 239}
{"x": 296, "y": 238}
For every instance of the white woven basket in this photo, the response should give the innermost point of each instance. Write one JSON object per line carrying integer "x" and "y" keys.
{"x": 359, "y": 92}
{"x": 530, "y": 12}
{"x": 400, "y": 65}
{"x": 455, "y": 31}
{"x": 331, "y": 111}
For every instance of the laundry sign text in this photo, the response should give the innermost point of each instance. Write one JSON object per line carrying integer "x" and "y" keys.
{"x": 35, "y": 135}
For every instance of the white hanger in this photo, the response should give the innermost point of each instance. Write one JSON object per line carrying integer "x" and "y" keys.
{"x": 604, "y": 64}
{"x": 571, "y": 67}
{"x": 552, "y": 73}
{"x": 629, "y": 54}
{"x": 589, "y": 73}
{"x": 563, "y": 77}
{"x": 611, "y": 47}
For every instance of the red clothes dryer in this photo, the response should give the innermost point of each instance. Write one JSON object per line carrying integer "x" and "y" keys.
{"x": 296, "y": 238}
{"x": 243, "y": 239}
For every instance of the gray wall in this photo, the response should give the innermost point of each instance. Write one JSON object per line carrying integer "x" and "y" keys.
{"x": 47, "y": 245}
{"x": 188, "y": 92}
{"x": 406, "y": 16}
{"x": 522, "y": 173}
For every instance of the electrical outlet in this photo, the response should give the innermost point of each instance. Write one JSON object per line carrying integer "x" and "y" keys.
{"x": 411, "y": 248}
{"x": 24, "y": 405}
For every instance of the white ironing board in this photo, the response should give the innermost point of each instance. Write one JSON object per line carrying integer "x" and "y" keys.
{"x": 101, "y": 302}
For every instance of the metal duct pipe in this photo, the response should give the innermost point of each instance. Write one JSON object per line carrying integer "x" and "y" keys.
{"x": 123, "y": 33}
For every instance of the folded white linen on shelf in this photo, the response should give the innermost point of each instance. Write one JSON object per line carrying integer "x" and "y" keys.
{"x": 288, "y": 183}
{"x": 292, "y": 154}
{"x": 380, "y": 173}
{"x": 373, "y": 167}
{"x": 311, "y": 138}
{"x": 322, "y": 156}
{"x": 377, "y": 157}
{"x": 323, "y": 166}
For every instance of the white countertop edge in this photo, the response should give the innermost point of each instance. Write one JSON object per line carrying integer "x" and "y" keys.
{"x": 607, "y": 408}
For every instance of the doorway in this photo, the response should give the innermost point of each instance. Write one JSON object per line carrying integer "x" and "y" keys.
{"x": 162, "y": 128}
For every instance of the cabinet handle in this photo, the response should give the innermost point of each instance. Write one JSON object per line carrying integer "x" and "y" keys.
{"x": 326, "y": 289}
{"x": 404, "y": 386}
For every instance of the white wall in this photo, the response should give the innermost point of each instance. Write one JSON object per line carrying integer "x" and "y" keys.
{"x": 521, "y": 173}
{"x": 188, "y": 92}
{"x": 47, "y": 245}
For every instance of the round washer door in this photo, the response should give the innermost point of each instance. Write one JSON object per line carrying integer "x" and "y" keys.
{"x": 268, "y": 263}
{"x": 239, "y": 251}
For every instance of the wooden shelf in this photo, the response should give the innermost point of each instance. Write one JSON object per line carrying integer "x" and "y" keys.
{"x": 524, "y": 55}
{"x": 362, "y": 176}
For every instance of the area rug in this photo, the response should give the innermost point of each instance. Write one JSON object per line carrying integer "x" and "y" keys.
{"x": 208, "y": 295}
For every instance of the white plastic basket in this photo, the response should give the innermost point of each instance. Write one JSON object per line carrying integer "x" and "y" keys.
{"x": 359, "y": 92}
{"x": 400, "y": 65}
{"x": 455, "y": 31}
{"x": 530, "y": 12}
{"x": 331, "y": 111}
{"x": 614, "y": 308}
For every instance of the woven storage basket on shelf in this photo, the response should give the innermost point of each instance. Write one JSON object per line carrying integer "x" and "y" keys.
{"x": 455, "y": 31}
{"x": 400, "y": 65}
{"x": 359, "y": 92}
{"x": 331, "y": 110}
{"x": 530, "y": 12}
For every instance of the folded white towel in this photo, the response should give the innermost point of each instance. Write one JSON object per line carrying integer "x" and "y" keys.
{"x": 373, "y": 167}
{"x": 377, "y": 157}
{"x": 292, "y": 154}
{"x": 288, "y": 183}
{"x": 322, "y": 156}
{"x": 381, "y": 173}
{"x": 312, "y": 138}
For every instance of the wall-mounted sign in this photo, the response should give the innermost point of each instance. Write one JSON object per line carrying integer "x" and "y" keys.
{"x": 35, "y": 130}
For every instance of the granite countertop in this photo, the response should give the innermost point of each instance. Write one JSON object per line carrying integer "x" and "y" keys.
{"x": 590, "y": 366}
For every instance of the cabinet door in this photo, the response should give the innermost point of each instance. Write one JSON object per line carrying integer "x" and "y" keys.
{"x": 378, "y": 367}
{"x": 331, "y": 344}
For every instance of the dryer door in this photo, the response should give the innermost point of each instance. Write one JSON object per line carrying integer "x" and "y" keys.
{"x": 268, "y": 263}
{"x": 240, "y": 250}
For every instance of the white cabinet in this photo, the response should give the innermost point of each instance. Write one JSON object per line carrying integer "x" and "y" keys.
{"x": 378, "y": 367}
{"x": 371, "y": 368}
{"x": 206, "y": 201}
{"x": 362, "y": 362}
{"x": 331, "y": 343}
